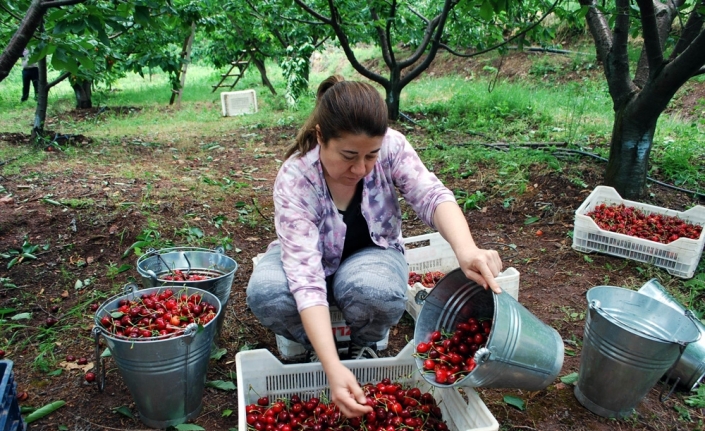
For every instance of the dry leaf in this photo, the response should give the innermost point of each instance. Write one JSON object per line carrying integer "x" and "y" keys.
{"x": 252, "y": 238}
{"x": 561, "y": 385}
{"x": 65, "y": 294}
{"x": 6, "y": 200}
{"x": 89, "y": 259}
{"x": 74, "y": 366}
{"x": 113, "y": 229}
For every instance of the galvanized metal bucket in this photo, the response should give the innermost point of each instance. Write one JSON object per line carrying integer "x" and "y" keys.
{"x": 165, "y": 375}
{"x": 521, "y": 351}
{"x": 630, "y": 341}
{"x": 689, "y": 370}
{"x": 220, "y": 269}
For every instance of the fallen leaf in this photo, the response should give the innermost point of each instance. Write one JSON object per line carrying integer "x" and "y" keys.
{"x": 252, "y": 238}
{"x": 113, "y": 229}
{"x": 89, "y": 259}
{"x": 7, "y": 200}
{"x": 65, "y": 294}
{"x": 561, "y": 386}
{"x": 69, "y": 366}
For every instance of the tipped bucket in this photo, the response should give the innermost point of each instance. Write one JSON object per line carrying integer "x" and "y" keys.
{"x": 165, "y": 376}
{"x": 521, "y": 351}
{"x": 690, "y": 368}
{"x": 630, "y": 341}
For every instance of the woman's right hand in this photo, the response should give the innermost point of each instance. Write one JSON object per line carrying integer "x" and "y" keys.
{"x": 345, "y": 391}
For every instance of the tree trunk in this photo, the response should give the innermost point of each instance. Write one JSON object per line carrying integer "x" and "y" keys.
{"x": 393, "y": 94}
{"x": 185, "y": 59}
{"x": 259, "y": 64}
{"x": 632, "y": 138}
{"x": 84, "y": 94}
{"x": 40, "y": 114}
{"x": 392, "y": 99}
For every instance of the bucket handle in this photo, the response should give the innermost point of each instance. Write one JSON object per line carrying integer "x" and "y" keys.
{"x": 99, "y": 365}
{"x": 190, "y": 333}
{"x": 668, "y": 378}
{"x": 595, "y": 304}
{"x": 420, "y": 297}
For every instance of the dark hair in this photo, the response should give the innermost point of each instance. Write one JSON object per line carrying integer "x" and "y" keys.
{"x": 342, "y": 107}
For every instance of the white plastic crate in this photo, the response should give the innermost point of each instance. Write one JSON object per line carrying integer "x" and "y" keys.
{"x": 238, "y": 102}
{"x": 679, "y": 258}
{"x": 439, "y": 256}
{"x": 292, "y": 351}
{"x": 259, "y": 374}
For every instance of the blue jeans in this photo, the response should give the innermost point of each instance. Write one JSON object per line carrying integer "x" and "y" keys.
{"x": 369, "y": 288}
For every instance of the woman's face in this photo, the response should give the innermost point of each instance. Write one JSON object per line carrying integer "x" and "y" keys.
{"x": 349, "y": 158}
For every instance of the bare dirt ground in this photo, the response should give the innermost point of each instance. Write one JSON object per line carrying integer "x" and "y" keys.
{"x": 89, "y": 215}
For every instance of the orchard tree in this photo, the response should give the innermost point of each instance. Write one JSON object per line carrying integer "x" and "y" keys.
{"x": 266, "y": 29}
{"x": 671, "y": 55}
{"x": 389, "y": 24}
{"x": 80, "y": 41}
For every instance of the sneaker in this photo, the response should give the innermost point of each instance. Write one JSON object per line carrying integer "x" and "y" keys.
{"x": 361, "y": 352}
{"x": 311, "y": 356}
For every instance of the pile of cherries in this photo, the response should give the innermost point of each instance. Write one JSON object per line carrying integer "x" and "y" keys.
{"x": 449, "y": 356}
{"x": 394, "y": 408}
{"x": 428, "y": 279}
{"x": 634, "y": 222}
{"x": 178, "y": 275}
{"x": 160, "y": 313}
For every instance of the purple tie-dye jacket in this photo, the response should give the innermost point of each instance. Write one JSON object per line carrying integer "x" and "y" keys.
{"x": 310, "y": 229}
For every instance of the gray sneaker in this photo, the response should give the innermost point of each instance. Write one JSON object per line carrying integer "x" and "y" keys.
{"x": 361, "y": 352}
{"x": 311, "y": 356}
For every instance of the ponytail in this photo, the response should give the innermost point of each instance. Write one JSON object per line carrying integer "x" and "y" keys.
{"x": 341, "y": 107}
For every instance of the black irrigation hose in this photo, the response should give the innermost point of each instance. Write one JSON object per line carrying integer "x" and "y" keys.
{"x": 670, "y": 186}
{"x": 582, "y": 153}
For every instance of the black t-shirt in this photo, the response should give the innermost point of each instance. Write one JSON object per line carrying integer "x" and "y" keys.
{"x": 358, "y": 233}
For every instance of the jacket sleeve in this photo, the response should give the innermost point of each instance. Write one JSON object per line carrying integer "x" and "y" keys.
{"x": 419, "y": 186}
{"x": 296, "y": 214}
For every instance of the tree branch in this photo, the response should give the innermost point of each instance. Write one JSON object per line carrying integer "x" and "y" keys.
{"x": 600, "y": 30}
{"x": 652, "y": 41}
{"x": 61, "y": 77}
{"x": 58, "y": 3}
{"x": 617, "y": 65}
{"x": 516, "y": 36}
{"x": 423, "y": 18}
{"x": 428, "y": 34}
{"x": 345, "y": 44}
{"x": 384, "y": 42}
{"x": 12, "y": 14}
{"x": 313, "y": 13}
{"x": 435, "y": 44}
{"x": 690, "y": 31}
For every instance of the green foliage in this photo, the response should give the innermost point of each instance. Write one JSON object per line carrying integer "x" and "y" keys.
{"x": 295, "y": 68}
{"x": 148, "y": 238}
{"x": 26, "y": 252}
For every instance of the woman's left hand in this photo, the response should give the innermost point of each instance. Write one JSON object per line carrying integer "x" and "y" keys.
{"x": 481, "y": 266}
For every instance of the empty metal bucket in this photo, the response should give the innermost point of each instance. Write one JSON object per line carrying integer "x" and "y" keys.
{"x": 630, "y": 341}
{"x": 521, "y": 351}
{"x": 690, "y": 368}
{"x": 155, "y": 264}
{"x": 165, "y": 376}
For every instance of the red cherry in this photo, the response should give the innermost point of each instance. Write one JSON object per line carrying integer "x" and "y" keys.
{"x": 90, "y": 377}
